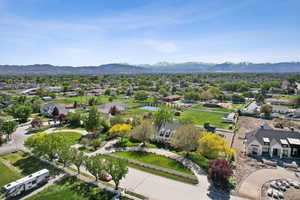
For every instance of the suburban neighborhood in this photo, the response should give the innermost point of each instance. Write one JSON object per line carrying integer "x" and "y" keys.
{"x": 149, "y": 100}
{"x": 144, "y": 139}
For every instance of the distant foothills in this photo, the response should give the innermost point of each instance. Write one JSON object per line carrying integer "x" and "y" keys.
{"x": 187, "y": 67}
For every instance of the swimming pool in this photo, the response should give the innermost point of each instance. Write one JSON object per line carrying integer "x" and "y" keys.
{"x": 149, "y": 108}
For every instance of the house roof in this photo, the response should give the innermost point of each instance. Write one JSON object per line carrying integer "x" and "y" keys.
{"x": 280, "y": 136}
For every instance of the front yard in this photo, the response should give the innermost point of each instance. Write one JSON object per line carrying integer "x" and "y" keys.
{"x": 27, "y": 164}
{"x": 8, "y": 174}
{"x": 72, "y": 188}
{"x": 156, "y": 160}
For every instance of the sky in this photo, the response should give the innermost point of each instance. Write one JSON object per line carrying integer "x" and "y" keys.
{"x": 95, "y": 32}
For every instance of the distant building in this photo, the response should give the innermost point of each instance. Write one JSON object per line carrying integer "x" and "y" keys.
{"x": 105, "y": 108}
{"x": 265, "y": 141}
{"x": 274, "y": 101}
{"x": 230, "y": 118}
{"x": 47, "y": 98}
{"x": 172, "y": 98}
{"x": 280, "y": 110}
{"x": 251, "y": 109}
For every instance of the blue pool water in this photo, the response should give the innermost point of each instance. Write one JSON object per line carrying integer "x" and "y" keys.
{"x": 149, "y": 108}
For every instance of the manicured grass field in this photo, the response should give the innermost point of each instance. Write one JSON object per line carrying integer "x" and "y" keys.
{"x": 199, "y": 118}
{"x": 214, "y": 109}
{"x": 71, "y": 188}
{"x": 28, "y": 164}
{"x": 134, "y": 112}
{"x": 7, "y": 174}
{"x": 71, "y": 137}
{"x": 156, "y": 160}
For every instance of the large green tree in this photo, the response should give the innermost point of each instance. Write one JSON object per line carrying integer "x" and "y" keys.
{"x": 186, "y": 138}
{"x": 93, "y": 121}
{"x": 143, "y": 132}
{"x": 8, "y": 127}
{"x": 162, "y": 116}
{"x": 22, "y": 113}
{"x": 117, "y": 168}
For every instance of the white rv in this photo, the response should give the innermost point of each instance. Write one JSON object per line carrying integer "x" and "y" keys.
{"x": 27, "y": 183}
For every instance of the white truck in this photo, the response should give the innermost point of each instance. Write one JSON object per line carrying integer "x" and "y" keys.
{"x": 27, "y": 183}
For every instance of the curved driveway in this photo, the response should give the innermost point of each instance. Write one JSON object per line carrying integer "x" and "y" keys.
{"x": 251, "y": 186}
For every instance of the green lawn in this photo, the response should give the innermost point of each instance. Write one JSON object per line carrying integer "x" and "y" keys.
{"x": 127, "y": 143}
{"x": 71, "y": 137}
{"x": 199, "y": 118}
{"x": 197, "y": 158}
{"x": 28, "y": 164}
{"x": 156, "y": 160}
{"x": 71, "y": 188}
{"x": 8, "y": 174}
{"x": 214, "y": 109}
{"x": 134, "y": 112}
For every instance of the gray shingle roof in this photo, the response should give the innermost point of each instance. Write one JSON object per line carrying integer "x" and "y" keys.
{"x": 277, "y": 135}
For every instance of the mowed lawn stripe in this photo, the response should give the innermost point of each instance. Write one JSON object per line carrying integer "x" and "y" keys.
{"x": 156, "y": 160}
{"x": 7, "y": 174}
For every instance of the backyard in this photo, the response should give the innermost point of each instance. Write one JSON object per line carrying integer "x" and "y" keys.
{"x": 200, "y": 117}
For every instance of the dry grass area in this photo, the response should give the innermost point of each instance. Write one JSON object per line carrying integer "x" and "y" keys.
{"x": 244, "y": 164}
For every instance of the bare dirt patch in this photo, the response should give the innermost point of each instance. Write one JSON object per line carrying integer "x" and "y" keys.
{"x": 246, "y": 165}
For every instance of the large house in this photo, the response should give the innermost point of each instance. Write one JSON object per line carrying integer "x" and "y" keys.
{"x": 166, "y": 132}
{"x": 274, "y": 143}
{"x": 51, "y": 110}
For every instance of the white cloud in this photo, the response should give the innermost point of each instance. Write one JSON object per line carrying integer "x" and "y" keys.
{"x": 161, "y": 46}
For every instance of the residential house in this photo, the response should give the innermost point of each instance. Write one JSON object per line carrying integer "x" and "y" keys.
{"x": 251, "y": 109}
{"x": 265, "y": 141}
{"x": 172, "y": 98}
{"x": 280, "y": 110}
{"x": 165, "y": 133}
{"x": 105, "y": 108}
{"x": 297, "y": 113}
{"x": 274, "y": 101}
{"x": 230, "y": 118}
{"x": 51, "y": 110}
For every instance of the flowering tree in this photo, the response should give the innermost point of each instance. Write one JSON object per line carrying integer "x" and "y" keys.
{"x": 121, "y": 130}
{"x": 219, "y": 171}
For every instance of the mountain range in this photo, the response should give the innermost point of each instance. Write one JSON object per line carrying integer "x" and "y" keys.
{"x": 165, "y": 67}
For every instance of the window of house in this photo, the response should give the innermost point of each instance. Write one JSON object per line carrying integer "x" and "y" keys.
{"x": 285, "y": 152}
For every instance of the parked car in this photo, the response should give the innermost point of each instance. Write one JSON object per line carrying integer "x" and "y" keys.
{"x": 105, "y": 177}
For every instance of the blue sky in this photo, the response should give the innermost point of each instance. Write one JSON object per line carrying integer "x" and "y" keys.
{"x": 94, "y": 32}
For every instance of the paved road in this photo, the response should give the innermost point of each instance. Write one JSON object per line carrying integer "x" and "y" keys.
{"x": 17, "y": 141}
{"x": 251, "y": 186}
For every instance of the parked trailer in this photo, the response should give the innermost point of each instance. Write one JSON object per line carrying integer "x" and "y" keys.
{"x": 27, "y": 183}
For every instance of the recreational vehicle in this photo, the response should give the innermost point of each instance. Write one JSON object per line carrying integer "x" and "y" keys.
{"x": 27, "y": 183}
